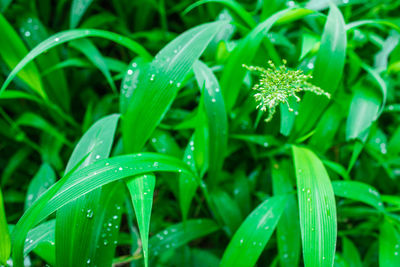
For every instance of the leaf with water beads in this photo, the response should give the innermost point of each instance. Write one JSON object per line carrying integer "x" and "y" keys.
{"x": 87, "y": 179}
{"x": 252, "y": 236}
{"x": 180, "y": 234}
{"x": 317, "y": 208}
{"x": 277, "y": 84}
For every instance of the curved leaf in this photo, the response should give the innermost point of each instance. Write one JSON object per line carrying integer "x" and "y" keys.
{"x": 317, "y": 208}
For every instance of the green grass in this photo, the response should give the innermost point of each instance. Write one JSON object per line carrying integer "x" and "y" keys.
{"x": 169, "y": 133}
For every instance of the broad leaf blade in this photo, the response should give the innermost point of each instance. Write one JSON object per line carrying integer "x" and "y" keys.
{"x": 317, "y": 209}
{"x": 12, "y": 50}
{"x": 141, "y": 189}
{"x": 328, "y": 70}
{"x": 85, "y": 180}
{"x": 73, "y": 243}
{"x": 158, "y": 87}
{"x": 216, "y": 118}
{"x": 250, "y": 239}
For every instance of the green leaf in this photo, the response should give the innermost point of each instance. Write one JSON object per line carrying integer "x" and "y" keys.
{"x": 363, "y": 111}
{"x": 250, "y": 239}
{"x": 389, "y": 245}
{"x": 351, "y": 254}
{"x": 180, "y": 234}
{"x": 317, "y": 208}
{"x": 78, "y": 8}
{"x": 187, "y": 184}
{"x": 41, "y": 240}
{"x": 288, "y": 229}
{"x": 233, "y": 6}
{"x": 227, "y": 210}
{"x": 5, "y": 241}
{"x": 141, "y": 190}
{"x": 12, "y": 50}
{"x": 55, "y": 85}
{"x": 328, "y": 70}
{"x": 85, "y": 180}
{"x": 70, "y": 35}
{"x": 87, "y": 48}
{"x": 216, "y": 118}
{"x": 73, "y": 243}
{"x": 244, "y": 52}
{"x": 158, "y": 87}
{"x": 358, "y": 191}
{"x": 106, "y": 229}
{"x": 42, "y": 180}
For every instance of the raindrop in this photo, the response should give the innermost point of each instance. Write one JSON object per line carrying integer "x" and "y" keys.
{"x": 213, "y": 100}
{"x": 167, "y": 246}
{"x": 217, "y": 90}
{"x": 134, "y": 64}
{"x": 171, "y": 82}
{"x": 89, "y": 213}
{"x": 310, "y": 65}
{"x": 155, "y": 164}
{"x": 396, "y": 253}
{"x": 57, "y": 39}
{"x": 165, "y": 232}
{"x": 98, "y": 156}
{"x": 115, "y": 217}
{"x": 107, "y": 163}
{"x": 27, "y": 33}
{"x": 153, "y": 139}
{"x": 88, "y": 261}
{"x": 178, "y": 85}
{"x": 179, "y": 170}
{"x": 120, "y": 168}
{"x": 31, "y": 241}
{"x": 152, "y": 77}
{"x": 105, "y": 243}
{"x": 241, "y": 241}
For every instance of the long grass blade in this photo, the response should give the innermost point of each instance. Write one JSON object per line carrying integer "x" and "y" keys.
{"x": 317, "y": 209}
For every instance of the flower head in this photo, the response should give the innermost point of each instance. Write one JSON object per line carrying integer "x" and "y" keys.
{"x": 277, "y": 84}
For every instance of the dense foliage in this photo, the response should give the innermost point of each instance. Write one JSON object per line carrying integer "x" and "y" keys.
{"x": 130, "y": 134}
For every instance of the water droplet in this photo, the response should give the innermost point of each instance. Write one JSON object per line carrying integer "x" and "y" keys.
{"x": 130, "y": 72}
{"x": 171, "y": 82}
{"x": 89, "y": 213}
{"x": 105, "y": 243}
{"x": 179, "y": 170}
{"x": 31, "y": 241}
{"x": 152, "y": 77}
{"x": 165, "y": 232}
{"x": 120, "y": 168}
{"x": 98, "y": 156}
{"x": 308, "y": 191}
{"x": 155, "y": 164}
{"x": 134, "y": 64}
{"x": 57, "y": 39}
{"x": 345, "y": 1}
{"x": 310, "y": 65}
{"x": 285, "y": 255}
{"x": 323, "y": 257}
{"x": 217, "y": 90}
{"x": 213, "y": 100}
{"x": 178, "y": 85}
{"x": 88, "y": 261}
{"x": 115, "y": 217}
{"x": 153, "y": 139}
{"x": 107, "y": 163}
{"x": 27, "y": 33}
{"x": 241, "y": 241}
